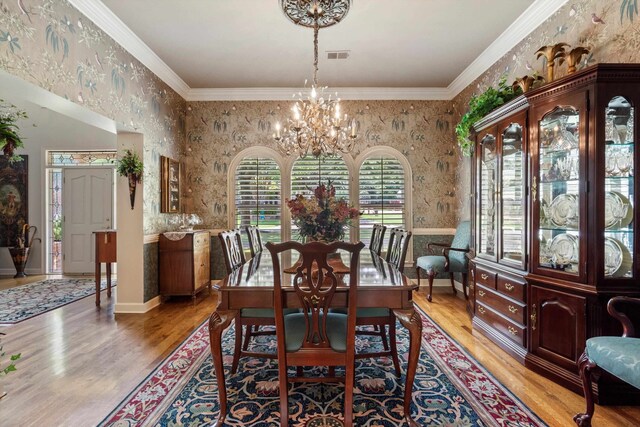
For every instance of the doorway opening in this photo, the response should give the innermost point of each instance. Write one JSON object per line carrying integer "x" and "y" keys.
{"x": 56, "y": 164}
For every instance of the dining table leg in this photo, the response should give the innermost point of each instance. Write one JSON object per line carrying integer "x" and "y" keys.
{"x": 218, "y": 322}
{"x": 411, "y": 320}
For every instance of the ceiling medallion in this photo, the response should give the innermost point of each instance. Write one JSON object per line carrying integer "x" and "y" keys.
{"x": 300, "y": 11}
{"x": 317, "y": 125}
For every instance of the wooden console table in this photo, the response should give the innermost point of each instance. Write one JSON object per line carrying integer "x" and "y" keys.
{"x": 105, "y": 252}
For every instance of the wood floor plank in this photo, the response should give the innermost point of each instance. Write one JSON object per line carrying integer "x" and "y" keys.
{"x": 79, "y": 362}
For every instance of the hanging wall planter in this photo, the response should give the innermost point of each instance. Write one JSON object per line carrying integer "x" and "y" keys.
{"x": 130, "y": 166}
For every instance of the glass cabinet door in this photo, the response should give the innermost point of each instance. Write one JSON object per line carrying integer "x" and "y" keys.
{"x": 619, "y": 153}
{"x": 512, "y": 225}
{"x": 487, "y": 218}
{"x": 558, "y": 191}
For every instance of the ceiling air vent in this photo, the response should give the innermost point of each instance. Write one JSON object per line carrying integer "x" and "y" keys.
{"x": 338, "y": 54}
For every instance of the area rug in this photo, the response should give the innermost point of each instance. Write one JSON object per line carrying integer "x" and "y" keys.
{"x": 450, "y": 389}
{"x": 26, "y": 301}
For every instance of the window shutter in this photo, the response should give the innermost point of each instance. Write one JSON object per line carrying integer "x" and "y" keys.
{"x": 257, "y": 197}
{"x": 382, "y": 198}
{"x": 309, "y": 171}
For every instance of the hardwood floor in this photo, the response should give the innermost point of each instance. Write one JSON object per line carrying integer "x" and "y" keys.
{"x": 78, "y": 362}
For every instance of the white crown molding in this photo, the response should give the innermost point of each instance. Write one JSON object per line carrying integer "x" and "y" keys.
{"x": 108, "y": 22}
{"x": 105, "y": 19}
{"x": 344, "y": 93}
{"x": 536, "y": 14}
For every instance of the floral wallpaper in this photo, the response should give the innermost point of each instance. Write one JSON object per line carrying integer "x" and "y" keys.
{"x": 421, "y": 130}
{"x": 52, "y": 45}
{"x": 49, "y": 43}
{"x": 609, "y": 28}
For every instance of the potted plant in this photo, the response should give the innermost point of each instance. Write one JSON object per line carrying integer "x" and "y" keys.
{"x": 131, "y": 166}
{"x": 10, "y": 138}
{"x": 480, "y": 106}
{"x": 10, "y": 367}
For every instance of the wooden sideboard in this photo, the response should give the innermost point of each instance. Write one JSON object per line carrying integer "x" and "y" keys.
{"x": 184, "y": 265}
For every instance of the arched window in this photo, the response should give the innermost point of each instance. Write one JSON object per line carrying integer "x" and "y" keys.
{"x": 308, "y": 172}
{"x": 257, "y": 197}
{"x": 382, "y": 194}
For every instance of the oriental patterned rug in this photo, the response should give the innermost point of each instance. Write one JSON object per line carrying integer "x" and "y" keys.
{"x": 451, "y": 389}
{"x": 26, "y": 301}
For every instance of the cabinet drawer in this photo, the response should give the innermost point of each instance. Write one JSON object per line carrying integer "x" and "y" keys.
{"x": 511, "y": 330}
{"x": 201, "y": 240}
{"x": 512, "y": 288}
{"x": 513, "y": 310}
{"x": 486, "y": 277}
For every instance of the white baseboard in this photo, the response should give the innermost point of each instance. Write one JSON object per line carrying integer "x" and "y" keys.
{"x": 439, "y": 284}
{"x": 137, "y": 308}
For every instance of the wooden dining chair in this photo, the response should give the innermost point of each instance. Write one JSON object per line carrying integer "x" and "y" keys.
{"x": 252, "y": 318}
{"x": 255, "y": 240}
{"x": 315, "y": 336}
{"x": 377, "y": 237}
{"x": 383, "y": 318}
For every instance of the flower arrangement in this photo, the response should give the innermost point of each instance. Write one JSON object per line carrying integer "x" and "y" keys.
{"x": 322, "y": 216}
{"x": 131, "y": 167}
{"x": 10, "y": 138}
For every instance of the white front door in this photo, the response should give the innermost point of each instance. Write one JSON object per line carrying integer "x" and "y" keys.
{"x": 87, "y": 195}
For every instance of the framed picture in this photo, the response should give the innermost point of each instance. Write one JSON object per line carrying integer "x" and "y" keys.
{"x": 14, "y": 212}
{"x": 169, "y": 185}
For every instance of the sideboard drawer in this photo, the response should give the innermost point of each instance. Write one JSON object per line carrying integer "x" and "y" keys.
{"x": 511, "y": 309}
{"x": 486, "y": 277}
{"x": 511, "y": 330}
{"x": 512, "y": 288}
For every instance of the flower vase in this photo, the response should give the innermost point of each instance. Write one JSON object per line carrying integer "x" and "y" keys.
{"x": 132, "y": 189}
{"x": 19, "y": 256}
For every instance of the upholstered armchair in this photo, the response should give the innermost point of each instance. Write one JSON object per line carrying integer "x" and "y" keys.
{"x": 452, "y": 260}
{"x": 619, "y": 356}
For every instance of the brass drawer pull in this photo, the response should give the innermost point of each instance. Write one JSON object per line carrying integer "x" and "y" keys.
{"x": 509, "y": 286}
{"x": 481, "y": 309}
{"x": 481, "y": 293}
{"x": 484, "y": 276}
{"x": 513, "y": 309}
{"x": 534, "y": 317}
{"x": 513, "y": 331}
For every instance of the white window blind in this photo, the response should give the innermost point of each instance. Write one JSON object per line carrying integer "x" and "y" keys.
{"x": 258, "y": 197}
{"x": 308, "y": 172}
{"x": 382, "y": 195}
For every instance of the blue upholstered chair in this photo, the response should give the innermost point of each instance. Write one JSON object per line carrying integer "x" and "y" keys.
{"x": 452, "y": 260}
{"x": 619, "y": 356}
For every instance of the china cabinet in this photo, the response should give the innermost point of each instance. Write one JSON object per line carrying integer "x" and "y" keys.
{"x": 555, "y": 219}
{"x": 500, "y": 227}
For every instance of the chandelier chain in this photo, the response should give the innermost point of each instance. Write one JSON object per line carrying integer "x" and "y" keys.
{"x": 317, "y": 126}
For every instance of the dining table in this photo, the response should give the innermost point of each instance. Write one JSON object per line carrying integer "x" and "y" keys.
{"x": 380, "y": 284}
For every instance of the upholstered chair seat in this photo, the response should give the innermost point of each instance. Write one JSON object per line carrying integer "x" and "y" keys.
{"x": 619, "y": 356}
{"x": 295, "y": 330}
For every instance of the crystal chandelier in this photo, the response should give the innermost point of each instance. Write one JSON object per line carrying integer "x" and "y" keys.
{"x": 317, "y": 125}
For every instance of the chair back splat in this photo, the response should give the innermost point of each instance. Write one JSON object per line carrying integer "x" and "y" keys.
{"x": 377, "y": 237}
{"x": 255, "y": 240}
{"x": 398, "y": 245}
{"x": 232, "y": 249}
{"x": 315, "y": 336}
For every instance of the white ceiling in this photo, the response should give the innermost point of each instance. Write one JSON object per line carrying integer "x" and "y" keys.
{"x": 204, "y": 46}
